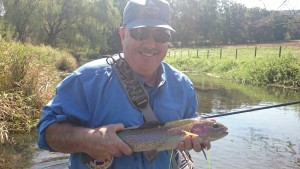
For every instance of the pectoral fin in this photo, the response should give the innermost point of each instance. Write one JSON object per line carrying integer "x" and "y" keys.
{"x": 202, "y": 148}
{"x": 189, "y": 133}
{"x": 204, "y": 154}
{"x": 151, "y": 155}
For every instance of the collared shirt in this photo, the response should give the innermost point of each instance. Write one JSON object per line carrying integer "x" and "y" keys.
{"x": 92, "y": 96}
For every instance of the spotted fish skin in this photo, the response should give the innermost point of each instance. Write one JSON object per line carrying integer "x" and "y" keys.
{"x": 166, "y": 136}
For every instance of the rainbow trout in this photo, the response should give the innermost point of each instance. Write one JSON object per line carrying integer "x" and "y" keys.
{"x": 166, "y": 136}
{"x": 152, "y": 137}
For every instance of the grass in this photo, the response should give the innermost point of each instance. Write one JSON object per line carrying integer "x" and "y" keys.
{"x": 28, "y": 77}
{"x": 267, "y": 68}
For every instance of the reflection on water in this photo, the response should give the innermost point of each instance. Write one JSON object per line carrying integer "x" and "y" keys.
{"x": 50, "y": 160}
{"x": 220, "y": 96}
{"x": 261, "y": 139}
{"x": 258, "y": 140}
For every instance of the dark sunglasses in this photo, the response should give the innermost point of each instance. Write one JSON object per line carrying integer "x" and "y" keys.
{"x": 159, "y": 36}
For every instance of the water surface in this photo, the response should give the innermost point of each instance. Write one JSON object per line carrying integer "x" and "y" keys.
{"x": 262, "y": 139}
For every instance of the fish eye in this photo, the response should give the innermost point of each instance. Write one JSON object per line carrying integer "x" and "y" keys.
{"x": 215, "y": 125}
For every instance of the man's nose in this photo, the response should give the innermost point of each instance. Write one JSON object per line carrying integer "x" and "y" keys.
{"x": 149, "y": 41}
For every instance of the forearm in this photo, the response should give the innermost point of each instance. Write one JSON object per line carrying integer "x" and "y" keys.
{"x": 67, "y": 138}
{"x": 101, "y": 143}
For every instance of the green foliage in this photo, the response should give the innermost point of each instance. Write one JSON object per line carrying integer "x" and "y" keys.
{"x": 66, "y": 24}
{"x": 80, "y": 25}
{"x": 27, "y": 81}
{"x": 264, "y": 70}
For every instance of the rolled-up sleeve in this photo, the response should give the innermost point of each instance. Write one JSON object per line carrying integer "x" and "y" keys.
{"x": 68, "y": 103}
{"x": 48, "y": 117}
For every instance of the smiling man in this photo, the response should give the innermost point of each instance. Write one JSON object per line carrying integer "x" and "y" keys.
{"x": 91, "y": 106}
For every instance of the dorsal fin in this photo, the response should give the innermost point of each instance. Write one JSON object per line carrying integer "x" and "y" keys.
{"x": 151, "y": 124}
{"x": 180, "y": 122}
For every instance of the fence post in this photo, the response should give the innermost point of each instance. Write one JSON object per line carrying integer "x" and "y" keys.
{"x": 220, "y": 53}
{"x": 207, "y": 53}
{"x": 197, "y": 53}
{"x": 255, "y": 50}
{"x": 280, "y": 51}
{"x": 236, "y": 52}
{"x": 181, "y": 53}
{"x": 175, "y": 53}
{"x": 188, "y": 53}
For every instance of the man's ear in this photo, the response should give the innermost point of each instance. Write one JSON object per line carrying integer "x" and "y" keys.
{"x": 122, "y": 33}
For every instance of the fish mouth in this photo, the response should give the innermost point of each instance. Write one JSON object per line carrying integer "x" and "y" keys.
{"x": 225, "y": 131}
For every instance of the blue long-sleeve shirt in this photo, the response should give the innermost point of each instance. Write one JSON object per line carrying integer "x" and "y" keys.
{"x": 92, "y": 96}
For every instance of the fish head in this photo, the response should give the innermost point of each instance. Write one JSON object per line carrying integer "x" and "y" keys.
{"x": 209, "y": 130}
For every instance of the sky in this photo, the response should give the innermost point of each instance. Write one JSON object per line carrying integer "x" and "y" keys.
{"x": 271, "y": 4}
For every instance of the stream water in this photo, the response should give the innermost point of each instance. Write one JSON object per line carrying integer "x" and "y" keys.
{"x": 260, "y": 140}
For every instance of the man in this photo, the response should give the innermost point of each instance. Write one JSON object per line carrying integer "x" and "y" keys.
{"x": 90, "y": 105}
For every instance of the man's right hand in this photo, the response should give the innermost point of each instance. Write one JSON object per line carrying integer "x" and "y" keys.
{"x": 103, "y": 143}
{"x": 100, "y": 143}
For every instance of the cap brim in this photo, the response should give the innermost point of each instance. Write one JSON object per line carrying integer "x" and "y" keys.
{"x": 148, "y": 23}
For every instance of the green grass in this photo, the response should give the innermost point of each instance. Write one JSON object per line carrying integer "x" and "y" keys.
{"x": 267, "y": 68}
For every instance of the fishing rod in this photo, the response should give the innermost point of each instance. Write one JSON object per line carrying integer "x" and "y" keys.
{"x": 254, "y": 109}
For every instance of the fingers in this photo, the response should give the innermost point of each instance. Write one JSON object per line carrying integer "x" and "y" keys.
{"x": 115, "y": 127}
{"x": 206, "y": 145}
{"x": 119, "y": 147}
{"x": 196, "y": 144}
{"x": 188, "y": 142}
{"x": 181, "y": 146}
{"x": 106, "y": 144}
{"x": 193, "y": 142}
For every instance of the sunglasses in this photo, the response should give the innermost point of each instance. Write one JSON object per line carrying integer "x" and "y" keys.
{"x": 159, "y": 36}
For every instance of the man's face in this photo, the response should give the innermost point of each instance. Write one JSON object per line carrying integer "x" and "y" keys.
{"x": 144, "y": 48}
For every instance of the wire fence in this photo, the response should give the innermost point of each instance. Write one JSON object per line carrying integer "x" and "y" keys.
{"x": 236, "y": 53}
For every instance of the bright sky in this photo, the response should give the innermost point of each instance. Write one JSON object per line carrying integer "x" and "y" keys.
{"x": 271, "y": 4}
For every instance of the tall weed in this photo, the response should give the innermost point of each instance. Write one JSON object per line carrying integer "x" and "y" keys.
{"x": 27, "y": 81}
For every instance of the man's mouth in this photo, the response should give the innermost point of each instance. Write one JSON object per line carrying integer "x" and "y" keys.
{"x": 148, "y": 53}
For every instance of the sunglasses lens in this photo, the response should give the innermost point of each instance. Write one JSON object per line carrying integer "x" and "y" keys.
{"x": 159, "y": 36}
{"x": 139, "y": 34}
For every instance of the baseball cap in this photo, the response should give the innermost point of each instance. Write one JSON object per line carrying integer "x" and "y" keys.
{"x": 147, "y": 13}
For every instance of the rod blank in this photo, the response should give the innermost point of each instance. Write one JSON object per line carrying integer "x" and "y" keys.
{"x": 249, "y": 110}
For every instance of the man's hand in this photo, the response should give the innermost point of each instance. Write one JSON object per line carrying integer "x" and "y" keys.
{"x": 105, "y": 144}
{"x": 194, "y": 142}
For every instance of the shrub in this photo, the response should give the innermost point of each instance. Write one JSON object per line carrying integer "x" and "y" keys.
{"x": 27, "y": 81}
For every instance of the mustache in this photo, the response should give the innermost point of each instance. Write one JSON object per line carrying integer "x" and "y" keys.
{"x": 147, "y": 50}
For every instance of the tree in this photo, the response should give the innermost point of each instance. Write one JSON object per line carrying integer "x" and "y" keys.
{"x": 183, "y": 19}
{"x": 233, "y": 21}
{"x": 60, "y": 15}
{"x": 207, "y": 18}
{"x": 21, "y": 15}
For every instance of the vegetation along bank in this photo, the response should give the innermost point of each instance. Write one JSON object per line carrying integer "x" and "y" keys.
{"x": 28, "y": 78}
{"x": 273, "y": 66}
